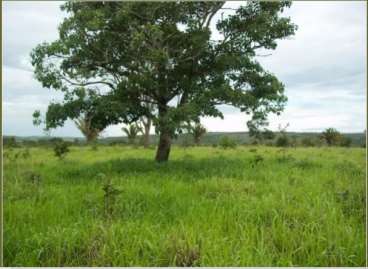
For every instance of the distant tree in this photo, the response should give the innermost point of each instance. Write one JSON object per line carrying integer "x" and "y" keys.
{"x": 197, "y": 130}
{"x": 364, "y": 139}
{"x": 83, "y": 106}
{"x": 166, "y": 52}
{"x": 84, "y": 124}
{"x": 132, "y": 132}
{"x": 331, "y": 136}
{"x": 282, "y": 139}
{"x": 10, "y": 141}
{"x": 345, "y": 141}
{"x": 268, "y": 134}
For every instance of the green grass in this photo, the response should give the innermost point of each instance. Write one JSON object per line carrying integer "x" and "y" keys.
{"x": 248, "y": 206}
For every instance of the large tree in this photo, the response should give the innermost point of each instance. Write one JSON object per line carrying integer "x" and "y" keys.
{"x": 165, "y": 52}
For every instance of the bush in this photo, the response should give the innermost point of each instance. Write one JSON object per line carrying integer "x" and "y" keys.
{"x": 345, "y": 141}
{"x": 308, "y": 142}
{"x": 331, "y": 136}
{"x": 282, "y": 141}
{"x": 61, "y": 149}
{"x": 227, "y": 142}
{"x": 10, "y": 142}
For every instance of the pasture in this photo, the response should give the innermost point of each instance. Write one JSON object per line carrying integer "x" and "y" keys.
{"x": 249, "y": 206}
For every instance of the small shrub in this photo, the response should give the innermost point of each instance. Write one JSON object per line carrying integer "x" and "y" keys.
{"x": 304, "y": 164}
{"x": 255, "y": 142}
{"x": 183, "y": 254}
{"x": 282, "y": 141}
{"x": 345, "y": 141}
{"x": 10, "y": 142}
{"x": 308, "y": 142}
{"x": 33, "y": 177}
{"x": 226, "y": 142}
{"x": 61, "y": 149}
{"x": 110, "y": 195}
{"x": 214, "y": 145}
{"x": 257, "y": 159}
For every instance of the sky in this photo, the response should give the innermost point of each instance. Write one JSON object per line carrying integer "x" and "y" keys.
{"x": 323, "y": 67}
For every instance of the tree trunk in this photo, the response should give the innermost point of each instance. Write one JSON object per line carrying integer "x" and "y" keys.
{"x": 164, "y": 144}
{"x": 196, "y": 141}
{"x": 147, "y": 127}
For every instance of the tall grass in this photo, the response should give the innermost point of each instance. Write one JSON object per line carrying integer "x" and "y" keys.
{"x": 205, "y": 207}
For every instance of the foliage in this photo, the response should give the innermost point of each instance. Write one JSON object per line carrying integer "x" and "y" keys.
{"x": 10, "y": 142}
{"x": 331, "y": 136}
{"x": 282, "y": 141}
{"x": 37, "y": 120}
{"x": 61, "y": 148}
{"x": 160, "y": 52}
{"x": 226, "y": 142}
{"x": 268, "y": 135}
{"x": 110, "y": 195}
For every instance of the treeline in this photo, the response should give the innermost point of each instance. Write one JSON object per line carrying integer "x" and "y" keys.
{"x": 330, "y": 137}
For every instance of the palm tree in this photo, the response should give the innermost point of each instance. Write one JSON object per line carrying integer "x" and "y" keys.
{"x": 132, "y": 131}
{"x": 197, "y": 131}
{"x": 84, "y": 124}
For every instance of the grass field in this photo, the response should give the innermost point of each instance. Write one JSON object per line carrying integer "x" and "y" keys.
{"x": 250, "y": 206}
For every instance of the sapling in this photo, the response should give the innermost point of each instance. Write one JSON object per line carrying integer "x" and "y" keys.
{"x": 61, "y": 149}
{"x": 110, "y": 195}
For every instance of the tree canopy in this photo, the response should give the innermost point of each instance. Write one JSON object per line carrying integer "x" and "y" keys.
{"x": 163, "y": 53}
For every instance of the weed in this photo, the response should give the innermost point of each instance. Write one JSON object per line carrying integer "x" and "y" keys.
{"x": 110, "y": 195}
{"x": 61, "y": 149}
{"x": 257, "y": 160}
{"x": 304, "y": 164}
{"x": 184, "y": 254}
{"x": 33, "y": 177}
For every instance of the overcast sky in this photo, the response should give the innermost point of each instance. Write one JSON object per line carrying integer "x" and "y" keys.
{"x": 323, "y": 68}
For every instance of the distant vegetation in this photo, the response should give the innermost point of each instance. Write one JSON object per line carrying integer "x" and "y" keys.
{"x": 208, "y": 139}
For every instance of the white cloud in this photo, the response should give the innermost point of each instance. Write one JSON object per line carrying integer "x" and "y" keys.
{"x": 323, "y": 68}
